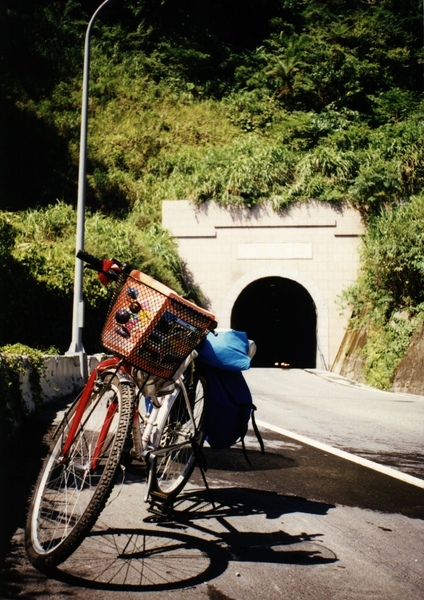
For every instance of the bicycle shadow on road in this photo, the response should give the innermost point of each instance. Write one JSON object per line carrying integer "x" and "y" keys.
{"x": 243, "y": 501}
{"x": 195, "y": 543}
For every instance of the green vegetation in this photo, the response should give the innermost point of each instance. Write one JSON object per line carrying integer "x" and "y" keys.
{"x": 228, "y": 101}
{"x": 388, "y": 297}
{"x": 16, "y": 361}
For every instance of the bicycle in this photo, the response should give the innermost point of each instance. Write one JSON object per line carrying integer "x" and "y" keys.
{"x": 144, "y": 403}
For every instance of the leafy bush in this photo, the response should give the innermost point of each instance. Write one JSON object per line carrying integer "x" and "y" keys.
{"x": 40, "y": 271}
{"x": 393, "y": 255}
{"x": 245, "y": 172}
{"x": 388, "y": 298}
{"x": 386, "y": 346}
{"x": 250, "y": 110}
{"x": 7, "y": 239}
{"x": 15, "y": 361}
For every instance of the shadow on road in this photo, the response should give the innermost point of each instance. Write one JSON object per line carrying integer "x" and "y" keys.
{"x": 194, "y": 545}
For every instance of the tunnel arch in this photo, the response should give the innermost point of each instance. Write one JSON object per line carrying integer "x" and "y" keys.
{"x": 290, "y": 318}
{"x": 280, "y": 315}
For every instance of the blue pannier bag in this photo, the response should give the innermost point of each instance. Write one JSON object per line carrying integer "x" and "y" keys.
{"x": 229, "y": 405}
{"x": 226, "y": 350}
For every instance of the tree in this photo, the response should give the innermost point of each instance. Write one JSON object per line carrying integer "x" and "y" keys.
{"x": 288, "y": 63}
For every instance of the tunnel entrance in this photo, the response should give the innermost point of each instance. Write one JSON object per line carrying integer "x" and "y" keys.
{"x": 280, "y": 316}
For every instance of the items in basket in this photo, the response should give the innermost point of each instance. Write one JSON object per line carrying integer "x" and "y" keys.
{"x": 152, "y": 327}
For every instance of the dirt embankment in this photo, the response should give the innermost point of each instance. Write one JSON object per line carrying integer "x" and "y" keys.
{"x": 409, "y": 376}
{"x": 410, "y": 372}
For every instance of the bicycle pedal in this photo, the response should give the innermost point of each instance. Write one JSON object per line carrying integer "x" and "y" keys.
{"x": 160, "y": 504}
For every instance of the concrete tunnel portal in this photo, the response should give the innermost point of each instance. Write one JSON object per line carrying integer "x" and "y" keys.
{"x": 279, "y": 314}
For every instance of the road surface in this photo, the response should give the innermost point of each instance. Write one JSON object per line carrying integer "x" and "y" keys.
{"x": 299, "y": 522}
{"x": 381, "y": 426}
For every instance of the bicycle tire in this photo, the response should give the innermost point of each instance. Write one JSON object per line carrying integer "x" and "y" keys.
{"x": 70, "y": 494}
{"x": 172, "y": 469}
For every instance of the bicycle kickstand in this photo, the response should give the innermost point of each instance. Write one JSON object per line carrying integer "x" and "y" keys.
{"x": 201, "y": 462}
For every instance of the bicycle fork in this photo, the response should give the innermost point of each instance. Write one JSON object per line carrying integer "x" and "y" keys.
{"x": 81, "y": 408}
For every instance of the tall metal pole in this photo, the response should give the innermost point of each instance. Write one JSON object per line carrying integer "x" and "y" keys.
{"x": 76, "y": 347}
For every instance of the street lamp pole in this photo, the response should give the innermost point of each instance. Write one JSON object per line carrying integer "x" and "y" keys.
{"x": 76, "y": 347}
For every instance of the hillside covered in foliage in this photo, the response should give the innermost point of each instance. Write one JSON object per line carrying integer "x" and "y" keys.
{"x": 232, "y": 101}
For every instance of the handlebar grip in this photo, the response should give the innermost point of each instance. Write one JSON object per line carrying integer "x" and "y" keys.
{"x": 95, "y": 263}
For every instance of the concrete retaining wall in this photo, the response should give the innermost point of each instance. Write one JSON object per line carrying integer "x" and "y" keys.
{"x": 62, "y": 377}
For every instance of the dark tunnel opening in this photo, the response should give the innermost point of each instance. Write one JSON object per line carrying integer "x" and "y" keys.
{"x": 280, "y": 316}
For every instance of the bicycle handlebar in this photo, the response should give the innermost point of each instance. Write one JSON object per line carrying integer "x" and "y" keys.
{"x": 106, "y": 267}
{"x": 110, "y": 269}
{"x": 92, "y": 261}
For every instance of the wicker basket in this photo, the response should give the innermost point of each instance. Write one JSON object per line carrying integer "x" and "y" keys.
{"x": 152, "y": 327}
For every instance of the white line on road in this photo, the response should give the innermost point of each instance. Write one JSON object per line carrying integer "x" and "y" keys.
{"x": 346, "y": 455}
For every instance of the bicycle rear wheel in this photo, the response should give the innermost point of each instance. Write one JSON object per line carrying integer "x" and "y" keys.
{"x": 181, "y": 436}
{"x": 78, "y": 475}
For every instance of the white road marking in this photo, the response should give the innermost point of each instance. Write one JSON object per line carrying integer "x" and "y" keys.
{"x": 346, "y": 455}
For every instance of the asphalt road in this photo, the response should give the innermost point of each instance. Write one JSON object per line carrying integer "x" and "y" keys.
{"x": 297, "y": 523}
{"x": 384, "y": 427}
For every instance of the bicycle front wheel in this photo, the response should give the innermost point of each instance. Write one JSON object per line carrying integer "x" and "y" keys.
{"x": 181, "y": 437}
{"x": 78, "y": 473}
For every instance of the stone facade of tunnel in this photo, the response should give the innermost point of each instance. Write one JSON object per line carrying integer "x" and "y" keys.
{"x": 314, "y": 244}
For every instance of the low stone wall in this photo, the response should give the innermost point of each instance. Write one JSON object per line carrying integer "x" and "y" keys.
{"x": 62, "y": 377}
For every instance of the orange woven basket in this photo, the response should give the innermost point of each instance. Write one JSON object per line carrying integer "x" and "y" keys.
{"x": 152, "y": 327}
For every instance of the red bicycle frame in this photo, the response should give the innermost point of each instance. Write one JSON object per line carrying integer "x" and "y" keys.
{"x": 82, "y": 405}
